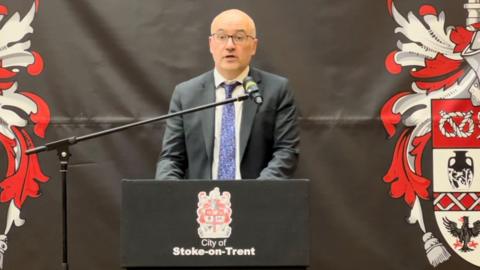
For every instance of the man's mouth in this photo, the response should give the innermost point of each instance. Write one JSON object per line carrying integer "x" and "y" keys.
{"x": 230, "y": 56}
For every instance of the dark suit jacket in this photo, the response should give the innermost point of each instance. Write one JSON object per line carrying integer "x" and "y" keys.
{"x": 269, "y": 134}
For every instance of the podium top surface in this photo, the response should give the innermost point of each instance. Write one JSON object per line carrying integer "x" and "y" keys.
{"x": 209, "y": 181}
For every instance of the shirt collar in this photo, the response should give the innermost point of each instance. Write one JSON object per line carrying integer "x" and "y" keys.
{"x": 219, "y": 79}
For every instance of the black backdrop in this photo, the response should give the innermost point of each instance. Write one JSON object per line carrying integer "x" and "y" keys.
{"x": 112, "y": 62}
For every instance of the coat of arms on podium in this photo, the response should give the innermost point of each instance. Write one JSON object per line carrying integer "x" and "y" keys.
{"x": 214, "y": 214}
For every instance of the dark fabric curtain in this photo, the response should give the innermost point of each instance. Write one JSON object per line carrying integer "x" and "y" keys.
{"x": 112, "y": 62}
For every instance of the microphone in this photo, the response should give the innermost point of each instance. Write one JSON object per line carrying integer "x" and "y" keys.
{"x": 251, "y": 88}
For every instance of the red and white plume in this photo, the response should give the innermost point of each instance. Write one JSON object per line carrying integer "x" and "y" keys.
{"x": 19, "y": 110}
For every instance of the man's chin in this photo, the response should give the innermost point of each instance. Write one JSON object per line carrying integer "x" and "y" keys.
{"x": 232, "y": 66}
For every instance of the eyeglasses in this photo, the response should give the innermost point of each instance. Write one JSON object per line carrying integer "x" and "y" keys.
{"x": 237, "y": 38}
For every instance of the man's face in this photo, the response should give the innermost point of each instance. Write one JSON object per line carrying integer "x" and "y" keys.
{"x": 231, "y": 57}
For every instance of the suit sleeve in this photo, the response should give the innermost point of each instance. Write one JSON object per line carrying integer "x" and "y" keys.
{"x": 286, "y": 139}
{"x": 173, "y": 160}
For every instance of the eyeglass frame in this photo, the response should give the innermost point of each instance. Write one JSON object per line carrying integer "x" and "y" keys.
{"x": 232, "y": 37}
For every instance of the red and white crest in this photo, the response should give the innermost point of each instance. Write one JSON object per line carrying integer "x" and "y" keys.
{"x": 19, "y": 109}
{"x": 214, "y": 214}
{"x": 441, "y": 104}
{"x": 456, "y": 175}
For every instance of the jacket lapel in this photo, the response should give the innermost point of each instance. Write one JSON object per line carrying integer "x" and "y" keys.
{"x": 208, "y": 115}
{"x": 248, "y": 115}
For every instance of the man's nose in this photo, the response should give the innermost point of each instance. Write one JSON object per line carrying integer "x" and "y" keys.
{"x": 230, "y": 43}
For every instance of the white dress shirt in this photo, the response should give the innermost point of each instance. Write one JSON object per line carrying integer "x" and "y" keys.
{"x": 219, "y": 96}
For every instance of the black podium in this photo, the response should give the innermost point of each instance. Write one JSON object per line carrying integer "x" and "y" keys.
{"x": 201, "y": 224}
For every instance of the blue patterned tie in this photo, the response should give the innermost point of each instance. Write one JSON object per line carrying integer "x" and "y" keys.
{"x": 226, "y": 162}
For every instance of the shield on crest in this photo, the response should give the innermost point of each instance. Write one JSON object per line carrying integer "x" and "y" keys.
{"x": 456, "y": 175}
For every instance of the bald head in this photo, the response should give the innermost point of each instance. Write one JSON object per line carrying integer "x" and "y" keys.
{"x": 236, "y": 19}
{"x": 231, "y": 54}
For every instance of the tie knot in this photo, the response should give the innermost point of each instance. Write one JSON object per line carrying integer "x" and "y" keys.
{"x": 229, "y": 88}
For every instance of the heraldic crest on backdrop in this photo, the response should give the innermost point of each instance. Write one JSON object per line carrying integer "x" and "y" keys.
{"x": 443, "y": 105}
{"x": 23, "y": 173}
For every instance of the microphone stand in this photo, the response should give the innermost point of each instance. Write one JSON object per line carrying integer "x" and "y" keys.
{"x": 62, "y": 147}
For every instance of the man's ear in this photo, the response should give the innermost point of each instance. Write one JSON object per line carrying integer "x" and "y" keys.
{"x": 210, "y": 40}
{"x": 254, "y": 50}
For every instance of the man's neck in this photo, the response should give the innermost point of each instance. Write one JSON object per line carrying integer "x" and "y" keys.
{"x": 231, "y": 75}
{"x": 219, "y": 77}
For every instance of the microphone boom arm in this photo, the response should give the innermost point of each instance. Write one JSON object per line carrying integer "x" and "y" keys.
{"x": 62, "y": 143}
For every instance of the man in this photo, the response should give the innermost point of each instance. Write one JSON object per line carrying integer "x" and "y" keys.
{"x": 241, "y": 140}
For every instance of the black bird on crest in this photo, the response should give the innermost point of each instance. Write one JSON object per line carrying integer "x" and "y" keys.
{"x": 464, "y": 233}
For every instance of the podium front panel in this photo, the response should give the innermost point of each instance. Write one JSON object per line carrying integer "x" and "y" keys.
{"x": 204, "y": 223}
